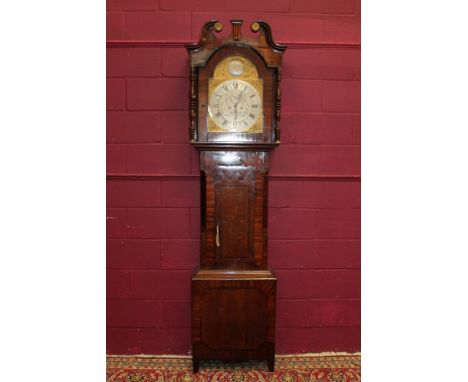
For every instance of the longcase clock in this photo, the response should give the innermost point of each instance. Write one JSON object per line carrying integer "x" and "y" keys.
{"x": 235, "y": 111}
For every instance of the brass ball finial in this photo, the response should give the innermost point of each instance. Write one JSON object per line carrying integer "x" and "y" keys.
{"x": 218, "y": 27}
{"x": 255, "y": 26}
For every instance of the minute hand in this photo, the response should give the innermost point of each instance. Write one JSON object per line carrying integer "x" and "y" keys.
{"x": 239, "y": 97}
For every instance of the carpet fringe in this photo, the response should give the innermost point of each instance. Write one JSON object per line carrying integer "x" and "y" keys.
{"x": 175, "y": 356}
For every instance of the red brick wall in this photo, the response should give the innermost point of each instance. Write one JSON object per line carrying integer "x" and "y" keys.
{"x": 153, "y": 188}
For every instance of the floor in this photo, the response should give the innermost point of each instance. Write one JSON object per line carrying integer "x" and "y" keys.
{"x": 325, "y": 367}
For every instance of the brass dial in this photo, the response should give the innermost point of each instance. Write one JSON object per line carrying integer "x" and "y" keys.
{"x": 235, "y": 105}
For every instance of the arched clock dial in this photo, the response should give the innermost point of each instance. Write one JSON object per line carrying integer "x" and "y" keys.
{"x": 235, "y": 105}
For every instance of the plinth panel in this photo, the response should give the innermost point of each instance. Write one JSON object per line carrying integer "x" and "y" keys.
{"x": 233, "y": 316}
{"x": 233, "y": 319}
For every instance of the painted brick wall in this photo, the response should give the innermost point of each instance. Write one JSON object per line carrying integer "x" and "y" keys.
{"x": 153, "y": 187}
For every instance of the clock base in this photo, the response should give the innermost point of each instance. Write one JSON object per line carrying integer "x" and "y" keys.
{"x": 233, "y": 316}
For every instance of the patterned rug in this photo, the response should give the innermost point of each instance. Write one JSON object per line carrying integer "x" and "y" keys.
{"x": 295, "y": 368}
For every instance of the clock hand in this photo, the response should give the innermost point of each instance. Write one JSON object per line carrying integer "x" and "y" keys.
{"x": 239, "y": 97}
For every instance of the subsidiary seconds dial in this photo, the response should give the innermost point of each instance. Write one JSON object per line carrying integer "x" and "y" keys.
{"x": 235, "y": 105}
